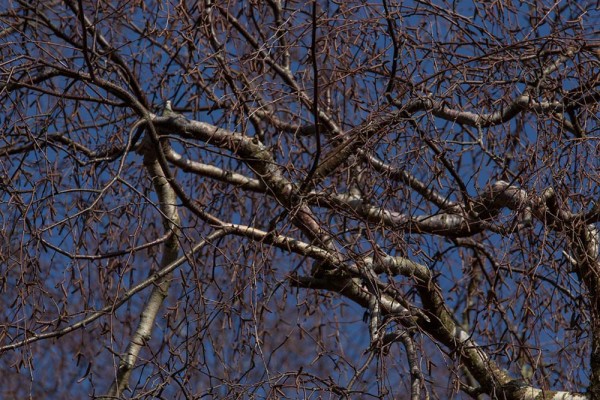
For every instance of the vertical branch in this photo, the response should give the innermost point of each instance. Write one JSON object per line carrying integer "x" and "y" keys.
{"x": 392, "y": 34}
{"x": 315, "y": 105}
{"x": 167, "y": 201}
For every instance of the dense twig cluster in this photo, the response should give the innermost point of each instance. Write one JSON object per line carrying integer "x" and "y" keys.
{"x": 429, "y": 168}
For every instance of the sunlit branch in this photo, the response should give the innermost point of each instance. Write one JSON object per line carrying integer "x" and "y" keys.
{"x": 211, "y": 171}
{"x": 167, "y": 199}
{"x": 257, "y": 156}
{"x": 402, "y": 175}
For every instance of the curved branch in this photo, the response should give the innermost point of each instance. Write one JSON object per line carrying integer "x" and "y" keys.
{"x": 259, "y": 158}
{"x": 167, "y": 199}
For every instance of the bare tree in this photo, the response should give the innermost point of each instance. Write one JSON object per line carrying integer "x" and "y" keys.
{"x": 265, "y": 199}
